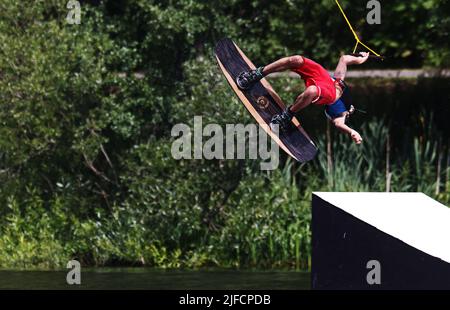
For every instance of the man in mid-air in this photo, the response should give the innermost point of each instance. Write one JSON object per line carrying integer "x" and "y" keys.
{"x": 321, "y": 89}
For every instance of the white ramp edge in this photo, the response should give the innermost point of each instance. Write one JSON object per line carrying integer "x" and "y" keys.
{"x": 413, "y": 218}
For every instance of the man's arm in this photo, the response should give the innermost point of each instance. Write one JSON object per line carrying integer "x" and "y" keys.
{"x": 340, "y": 124}
{"x": 346, "y": 60}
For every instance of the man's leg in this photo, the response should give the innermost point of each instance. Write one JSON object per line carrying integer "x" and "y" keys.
{"x": 246, "y": 79}
{"x": 283, "y": 64}
{"x": 304, "y": 99}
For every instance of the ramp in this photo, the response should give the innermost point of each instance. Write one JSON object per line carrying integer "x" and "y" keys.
{"x": 408, "y": 234}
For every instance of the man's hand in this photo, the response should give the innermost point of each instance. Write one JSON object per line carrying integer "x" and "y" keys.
{"x": 355, "y": 60}
{"x": 361, "y": 59}
{"x": 339, "y": 122}
{"x": 356, "y": 137}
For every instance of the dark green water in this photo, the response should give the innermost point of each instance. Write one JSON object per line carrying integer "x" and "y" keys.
{"x": 144, "y": 278}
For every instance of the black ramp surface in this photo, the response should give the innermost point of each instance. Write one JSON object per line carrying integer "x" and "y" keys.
{"x": 296, "y": 141}
{"x": 343, "y": 244}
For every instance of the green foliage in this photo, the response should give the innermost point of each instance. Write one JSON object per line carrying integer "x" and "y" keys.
{"x": 267, "y": 223}
{"x": 86, "y": 113}
{"x": 355, "y": 167}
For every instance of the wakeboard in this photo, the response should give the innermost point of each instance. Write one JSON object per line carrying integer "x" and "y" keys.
{"x": 263, "y": 102}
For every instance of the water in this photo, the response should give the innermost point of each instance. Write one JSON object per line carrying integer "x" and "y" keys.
{"x": 145, "y": 278}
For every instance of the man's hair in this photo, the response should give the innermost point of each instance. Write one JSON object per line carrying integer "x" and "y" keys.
{"x": 347, "y": 98}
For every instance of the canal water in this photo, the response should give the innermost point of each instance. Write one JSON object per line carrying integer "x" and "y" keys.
{"x": 154, "y": 279}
